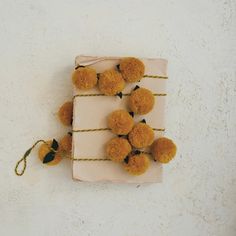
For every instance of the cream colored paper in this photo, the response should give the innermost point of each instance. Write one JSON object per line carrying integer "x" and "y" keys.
{"x": 92, "y": 112}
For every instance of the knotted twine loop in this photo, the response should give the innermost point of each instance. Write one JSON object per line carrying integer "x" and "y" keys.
{"x": 27, "y": 153}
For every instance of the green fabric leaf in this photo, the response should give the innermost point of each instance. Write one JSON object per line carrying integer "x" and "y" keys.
{"x": 137, "y": 152}
{"x": 54, "y": 145}
{"x": 49, "y": 157}
{"x": 126, "y": 160}
{"x": 119, "y": 94}
{"x": 131, "y": 113}
{"x": 123, "y": 136}
{"x": 143, "y": 121}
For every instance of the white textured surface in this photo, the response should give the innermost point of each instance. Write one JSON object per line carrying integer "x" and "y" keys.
{"x": 38, "y": 41}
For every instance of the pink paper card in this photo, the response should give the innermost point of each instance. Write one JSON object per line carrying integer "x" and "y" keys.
{"x": 91, "y": 112}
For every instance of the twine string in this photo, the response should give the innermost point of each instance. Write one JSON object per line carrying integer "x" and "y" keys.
{"x": 155, "y": 76}
{"x": 27, "y": 153}
{"x": 89, "y": 159}
{"x": 90, "y": 130}
{"x": 104, "y": 129}
{"x": 158, "y": 129}
{"x": 123, "y": 94}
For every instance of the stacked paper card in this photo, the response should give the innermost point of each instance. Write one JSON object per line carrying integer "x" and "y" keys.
{"x": 90, "y": 112}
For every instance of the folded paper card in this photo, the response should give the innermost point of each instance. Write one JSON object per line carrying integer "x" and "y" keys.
{"x": 90, "y": 112}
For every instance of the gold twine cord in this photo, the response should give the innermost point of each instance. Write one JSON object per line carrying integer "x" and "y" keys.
{"x": 123, "y": 94}
{"x": 154, "y": 94}
{"x": 155, "y": 129}
{"x": 90, "y": 130}
{"x": 27, "y": 153}
{"x": 89, "y": 159}
{"x": 104, "y": 129}
{"x": 98, "y": 159}
{"x": 155, "y": 76}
